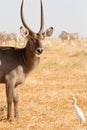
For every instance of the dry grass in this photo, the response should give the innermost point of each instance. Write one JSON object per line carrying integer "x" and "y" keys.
{"x": 46, "y": 96}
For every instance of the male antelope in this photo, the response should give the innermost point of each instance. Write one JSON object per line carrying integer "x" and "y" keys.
{"x": 15, "y": 64}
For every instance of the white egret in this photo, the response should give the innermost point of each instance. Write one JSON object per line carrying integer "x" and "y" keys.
{"x": 78, "y": 111}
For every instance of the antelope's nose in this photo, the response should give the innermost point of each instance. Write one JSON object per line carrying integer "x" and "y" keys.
{"x": 40, "y": 50}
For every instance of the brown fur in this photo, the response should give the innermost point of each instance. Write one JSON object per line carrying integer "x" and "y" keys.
{"x": 14, "y": 67}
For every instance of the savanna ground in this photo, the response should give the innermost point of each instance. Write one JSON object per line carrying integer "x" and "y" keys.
{"x": 45, "y": 99}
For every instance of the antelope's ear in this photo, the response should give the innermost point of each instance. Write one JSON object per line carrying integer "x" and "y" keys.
{"x": 24, "y": 32}
{"x": 48, "y": 32}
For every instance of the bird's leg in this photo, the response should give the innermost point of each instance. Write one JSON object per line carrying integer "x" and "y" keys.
{"x": 81, "y": 123}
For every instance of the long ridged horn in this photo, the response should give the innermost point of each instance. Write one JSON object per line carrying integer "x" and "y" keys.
{"x": 23, "y": 20}
{"x": 42, "y": 18}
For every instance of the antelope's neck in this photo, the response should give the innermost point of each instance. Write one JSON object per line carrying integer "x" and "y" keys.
{"x": 30, "y": 59}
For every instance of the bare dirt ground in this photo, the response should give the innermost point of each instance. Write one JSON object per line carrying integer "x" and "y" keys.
{"x": 45, "y": 99}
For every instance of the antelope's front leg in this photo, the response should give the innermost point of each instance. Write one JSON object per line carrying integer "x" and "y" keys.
{"x": 15, "y": 99}
{"x": 9, "y": 94}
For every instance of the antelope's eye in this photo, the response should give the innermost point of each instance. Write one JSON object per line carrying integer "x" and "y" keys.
{"x": 32, "y": 39}
{"x": 37, "y": 34}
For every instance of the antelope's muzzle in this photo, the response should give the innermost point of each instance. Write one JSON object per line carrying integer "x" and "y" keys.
{"x": 39, "y": 50}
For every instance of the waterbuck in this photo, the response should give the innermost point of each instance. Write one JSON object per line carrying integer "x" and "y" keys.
{"x": 15, "y": 64}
